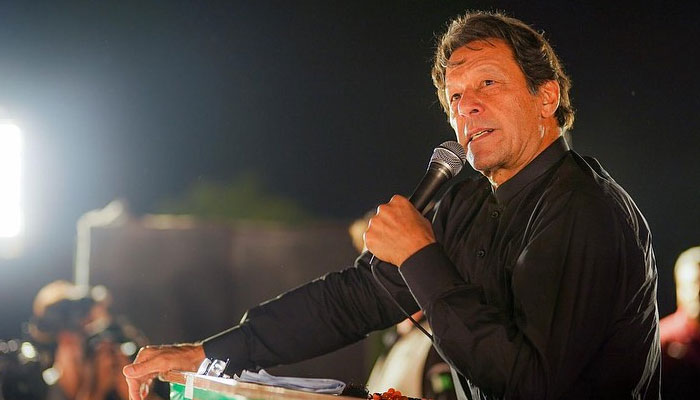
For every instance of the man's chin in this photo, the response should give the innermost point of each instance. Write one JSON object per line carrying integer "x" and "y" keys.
{"x": 479, "y": 164}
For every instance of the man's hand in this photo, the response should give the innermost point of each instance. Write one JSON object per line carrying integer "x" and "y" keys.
{"x": 154, "y": 360}
{"x": 397, "y": 231}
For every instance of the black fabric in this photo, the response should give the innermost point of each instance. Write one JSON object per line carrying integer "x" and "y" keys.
{"x": 438, "y": 383}
{"x": 544, "y": 289}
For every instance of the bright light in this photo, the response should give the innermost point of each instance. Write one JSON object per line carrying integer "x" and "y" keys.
{"x": 10, "y": 180}
{"x": 51, "y": 375}
{"x": 28, "y": 351}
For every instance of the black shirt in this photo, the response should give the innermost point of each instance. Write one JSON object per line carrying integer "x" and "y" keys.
{"x": 545, "y": 288}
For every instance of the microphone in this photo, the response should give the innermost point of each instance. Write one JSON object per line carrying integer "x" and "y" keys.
{"x": 446, "y": 162}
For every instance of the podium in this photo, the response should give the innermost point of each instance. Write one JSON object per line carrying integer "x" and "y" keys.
{"x": 190, "y": 386}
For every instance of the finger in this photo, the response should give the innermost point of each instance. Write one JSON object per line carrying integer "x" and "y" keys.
{"x": 380, "y": 208}
{"x": 398, "y": 199}
{"x": 133, "y": 386}
{"x": 143, "y": 390}
{"x": 149, "y": 367}
{"x": 147, "y": 361}
{"x": 145, "y": 353}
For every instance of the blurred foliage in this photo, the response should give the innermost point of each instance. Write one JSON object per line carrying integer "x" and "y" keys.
{"x": 245, "y": 198}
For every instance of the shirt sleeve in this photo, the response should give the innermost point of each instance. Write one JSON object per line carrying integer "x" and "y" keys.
{"x": 565, "y": 288}
{"x": 316, "y": 318}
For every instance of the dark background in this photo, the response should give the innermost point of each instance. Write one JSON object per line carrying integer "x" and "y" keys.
{"x": 330, "y": 103}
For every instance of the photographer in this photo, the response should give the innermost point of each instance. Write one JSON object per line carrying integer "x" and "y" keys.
{"x": 87, "y": 346}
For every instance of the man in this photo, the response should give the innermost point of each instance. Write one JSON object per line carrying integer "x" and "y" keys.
{"x": 85, "y": 344}
{"x": 680, "y": 332}
{"x": 538, "y": 280}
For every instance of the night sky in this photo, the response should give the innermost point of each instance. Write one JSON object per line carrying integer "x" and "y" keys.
{"x": 330, "y": 103}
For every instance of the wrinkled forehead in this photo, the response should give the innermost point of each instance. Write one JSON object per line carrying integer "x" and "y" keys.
{"x": 458, "y": 58}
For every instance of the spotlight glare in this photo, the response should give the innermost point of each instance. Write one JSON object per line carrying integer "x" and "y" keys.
{"x": 10, "y": 180}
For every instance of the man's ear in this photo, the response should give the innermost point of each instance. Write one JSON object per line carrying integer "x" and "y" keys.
{"x": 549, "y": 93}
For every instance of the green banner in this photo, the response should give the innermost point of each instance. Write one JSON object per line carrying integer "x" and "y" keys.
{"x": 177, "y": 392}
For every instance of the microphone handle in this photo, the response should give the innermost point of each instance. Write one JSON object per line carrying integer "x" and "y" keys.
{"x": 436, "y": 175}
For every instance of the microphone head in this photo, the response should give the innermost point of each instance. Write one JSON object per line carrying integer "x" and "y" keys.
{"x": 450, "y": 155}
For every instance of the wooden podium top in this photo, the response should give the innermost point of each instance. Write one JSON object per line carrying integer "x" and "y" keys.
{"x": 208, "y": 387}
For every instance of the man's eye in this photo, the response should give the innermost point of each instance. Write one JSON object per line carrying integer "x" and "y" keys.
{"x": 489, "y": 82}
{"x": 454, "y": 97}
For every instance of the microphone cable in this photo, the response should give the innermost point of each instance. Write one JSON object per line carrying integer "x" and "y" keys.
{"x": 446, "y": 162}
{"x": 373, "y": 268}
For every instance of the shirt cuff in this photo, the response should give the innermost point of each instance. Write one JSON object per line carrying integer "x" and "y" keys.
{"x": 228, "y": 345}
{"x": 429, "y": 274}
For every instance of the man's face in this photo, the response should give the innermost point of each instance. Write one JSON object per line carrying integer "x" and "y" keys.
{"x": 497, "y": 120}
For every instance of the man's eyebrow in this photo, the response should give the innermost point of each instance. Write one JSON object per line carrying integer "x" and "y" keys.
{"x": 452, "y": 64}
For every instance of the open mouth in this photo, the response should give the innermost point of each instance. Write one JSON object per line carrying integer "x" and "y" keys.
{"x": 480, "y": 133}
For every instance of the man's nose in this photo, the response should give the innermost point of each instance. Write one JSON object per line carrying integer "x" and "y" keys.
{"x": 469, "y": 104}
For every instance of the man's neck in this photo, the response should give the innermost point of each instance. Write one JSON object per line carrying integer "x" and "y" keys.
{"x": 502, "y": 175}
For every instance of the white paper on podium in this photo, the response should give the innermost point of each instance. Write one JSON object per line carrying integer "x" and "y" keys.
{"x": 315, "y": 385}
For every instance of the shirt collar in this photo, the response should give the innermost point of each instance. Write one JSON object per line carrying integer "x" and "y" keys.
{"x": 545, "y": 160}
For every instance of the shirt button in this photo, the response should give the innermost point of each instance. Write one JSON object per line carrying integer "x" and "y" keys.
{"x": 481, "y": 253}
{"x": 495, "y": 214}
